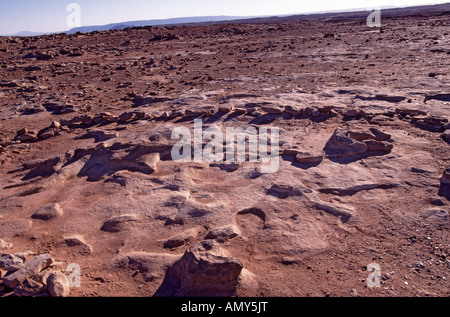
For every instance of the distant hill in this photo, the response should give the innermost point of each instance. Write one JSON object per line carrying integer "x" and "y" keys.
{"x": 350, "y": 13}
{"x": 28, "y": 33}
{"x": 112, "y": 26}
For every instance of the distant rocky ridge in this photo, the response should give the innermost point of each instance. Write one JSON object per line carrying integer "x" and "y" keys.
{"x": 340, "y": 14}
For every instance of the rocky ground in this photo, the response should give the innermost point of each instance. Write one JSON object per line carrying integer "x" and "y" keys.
{"x": 87, "y": 176}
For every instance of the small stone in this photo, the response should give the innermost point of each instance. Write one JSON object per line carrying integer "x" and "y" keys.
{"x": 256, "y": 113}
{"x": 55, "y": 124}
{"x": 374, "y": 145}
{"x": 74, "y": 240}
{"x": 446, "y": 135}
{"x": 5, "y": 245}
{"x": 99, "y": 135}
{"x": 193, "y": 113}
{"x": 255, "y": 173}
{"x": 119, "y": 223}
{"x": 272, "y": 109}
{"x": 353, "y": 293}
{"x": 445, "y": 179}
{"x": 83, "y": 119}
{"x": 66, "y": 122}
{"x": 176, "y": 114}
{"x": 351, "y": 113}
{"x": 182, "y": 238}
{"x": 78, "y": 240}
{"x": 166, "y": 115}
{"x": 307, "y": 111}
{"x": 10, "y": 262}
{"x": 436, "y": 216}
{"x": 437, "y": 201}
{"x": 23, "y": 255}
{"x": 307, "y": 158}
{"x": 58, "y": 284}
{"x": 291, "y": 151}
{"x": 48, "y": 133}
{"x": 28, "y": 287}
{"x": 289, "y": 260}
{"x": 22, "y": 131}
{"x": 419, "y": 265}
{"x": 15, "y": 227}
{"x": 225, "y": 109}
{"x": 48, "y": 212}
{"x": 240, "y": 110}
{"x": 44, "y": 56}
{"x": 209, "y": 111}
{"x": 293, "y": 110}
{"x": 113, "y": 119}
{"x": 26, "y": 137}
{"x": 224, "y": 233}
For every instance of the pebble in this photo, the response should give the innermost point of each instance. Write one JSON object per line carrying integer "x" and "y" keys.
{"x": 419, "y": 265}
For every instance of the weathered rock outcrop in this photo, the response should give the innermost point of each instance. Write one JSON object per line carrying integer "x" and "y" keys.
{"x": 347, "y": 144}
{"x": 204, "y": 270}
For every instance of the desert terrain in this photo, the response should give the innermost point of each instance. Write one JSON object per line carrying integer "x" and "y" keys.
{"x": 87, "y": 176}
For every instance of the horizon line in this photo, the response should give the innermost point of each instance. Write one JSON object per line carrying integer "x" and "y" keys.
{"x": 360, "y": 9}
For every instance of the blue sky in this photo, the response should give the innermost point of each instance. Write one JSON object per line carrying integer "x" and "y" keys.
{"x": 51, "y": 15}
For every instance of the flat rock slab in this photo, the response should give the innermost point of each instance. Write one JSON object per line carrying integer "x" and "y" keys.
{"x": 5, "y": 245}
{"x": 224, "y": 233}
{"x": 14, "y": 227}
{"x": 48, "y": 212}
{"x": 152, "y": 265}
{"x": 183, "y": 237}
{"x": 120, "y": 223}
{"x": 435, "y": 216}
{"x": 28, "y": 287}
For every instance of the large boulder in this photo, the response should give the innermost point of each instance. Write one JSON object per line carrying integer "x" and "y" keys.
{"x": 345, "y": 143}
{"x": 342, "y": 144}
{"x": 205, "y": 269}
